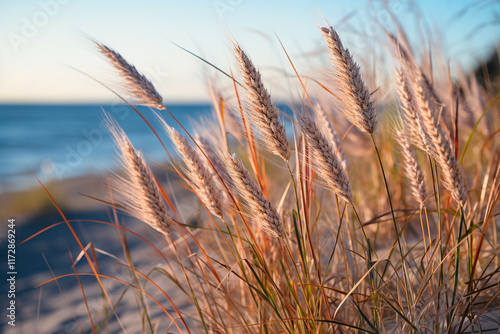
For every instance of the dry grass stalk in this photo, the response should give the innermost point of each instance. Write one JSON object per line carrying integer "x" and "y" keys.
{"x": 411, "y": 69}
{"x": 136, "y": 83}
{"x": 327, "y": 129}
{"x": 324, "y": 160}
{"x": 442, "y": 150}
{"x": 404, "y": 56}
{"x": 476, "y": 96}
{"x": 201, "y": 180}
{"x": 476, "y": 101}
{"x": 411, "y": 119}
{"x": 412, "y": 168}
{"x": 466, "y": 115}
{"x": 262, "y": 211}
{"x": 214, "y": 155}
{"x": 359, "y": 106}
{"x": 264, "y": 114}
{"x": 137, "y": 191}
{"x": 472, "y": 101}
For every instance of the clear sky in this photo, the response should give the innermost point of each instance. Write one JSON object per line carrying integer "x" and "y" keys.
{"x": 41, "y": 41}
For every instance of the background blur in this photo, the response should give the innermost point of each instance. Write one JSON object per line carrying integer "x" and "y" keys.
{"x": 42, "y": 39}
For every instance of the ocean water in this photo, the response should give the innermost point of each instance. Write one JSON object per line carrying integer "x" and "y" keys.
{"x": 56, "y": 142}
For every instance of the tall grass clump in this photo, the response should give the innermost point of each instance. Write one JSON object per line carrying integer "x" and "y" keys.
{"x": 299, "y": 232}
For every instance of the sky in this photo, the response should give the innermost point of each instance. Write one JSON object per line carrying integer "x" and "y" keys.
{"x": 45, "y": 44}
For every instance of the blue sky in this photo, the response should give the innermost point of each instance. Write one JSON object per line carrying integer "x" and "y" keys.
{"x": 42, "y": 41}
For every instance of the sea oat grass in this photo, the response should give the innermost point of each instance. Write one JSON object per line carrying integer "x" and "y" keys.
{"x": 325, "y": 160}
{"x": 359, "y": 108}
{"x": 263, "y": 112}
{"x": 136, "y": 84}
{"x": 329, "y": 243}
{"x": 412, "y": 168}
{"x": 202, "y": 181}
{"x": 441, "y": 147}
{"x": 137, "y": 191}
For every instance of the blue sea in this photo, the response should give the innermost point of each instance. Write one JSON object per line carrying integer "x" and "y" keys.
{"x": 57, "y": 142}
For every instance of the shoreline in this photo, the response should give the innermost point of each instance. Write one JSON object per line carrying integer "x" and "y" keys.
{"x": 24, "y": 205}
{"x": 28, "y": 205}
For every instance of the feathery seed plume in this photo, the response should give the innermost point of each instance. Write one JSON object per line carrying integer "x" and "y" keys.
{"x": 359, "y": 107}
{"x": 264, "y": 113}
{"x": 411, "y": 119}
{"x": 325, "y": 162}
{"x": 137, "y": 191}
{"x": 264, "y": 214}
{"x": 327, "y": 129}
{"x": 412, "y": 168}
{"x": 202, "y": 181}
{"x": 441, "y": 147}
{"x": 136, "y": 83}
{"x": 213, "y": 153}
